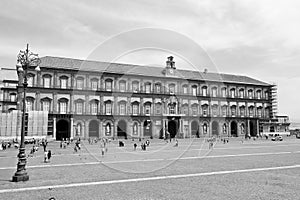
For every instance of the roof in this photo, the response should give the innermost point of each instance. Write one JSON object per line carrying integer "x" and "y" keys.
{"x": 130, "y": 69}
{"x": 8, "y": 74}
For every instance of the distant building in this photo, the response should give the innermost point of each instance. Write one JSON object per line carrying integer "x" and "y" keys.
{"x": 276, "y": 125}
{"x": 8, "y": 89}
{"x": 98, "y": 99}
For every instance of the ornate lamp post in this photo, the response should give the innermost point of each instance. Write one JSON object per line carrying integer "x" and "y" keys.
{"x": 25, "y": 60}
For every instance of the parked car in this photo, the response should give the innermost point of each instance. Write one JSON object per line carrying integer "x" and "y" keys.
{"x": 277, "y": 138}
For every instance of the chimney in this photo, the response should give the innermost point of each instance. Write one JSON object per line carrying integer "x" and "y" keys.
{"x": 170, "y": 62}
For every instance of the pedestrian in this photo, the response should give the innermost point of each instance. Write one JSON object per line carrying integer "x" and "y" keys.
{"x": 61, "y": 144}
{"x": 176, "y": 143}
{"x": 134, "y": 146}
{"x": 49, "y": 155}
{"x": 45, "y": 156}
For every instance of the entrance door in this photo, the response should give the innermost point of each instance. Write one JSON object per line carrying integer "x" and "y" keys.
{"x": 172, "y": 128}
{"x": 215, "y": 128}
{"x": 94, "y": 129}
{"x": 147, "y": 128}
{"x": 253, "y": 131}
{"x": 195, "y": 128}
{"x": 62, "y": 129}
{"x": 233, "y": 128}
{"x": 122, "y": 129}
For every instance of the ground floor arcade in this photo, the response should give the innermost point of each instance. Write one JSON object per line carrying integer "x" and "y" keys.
{"x": 147, "y": 127}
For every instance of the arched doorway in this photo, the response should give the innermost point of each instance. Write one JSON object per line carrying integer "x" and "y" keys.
{"x": 94, "y": 129}
{"x": 62, "y": 129}
{"x": 147, "y": 128}
{"x": 233, "y": 129}
{"x": 252, "y": 129}
{"x": 122, "y": 129}
{"x": 215, "y": 128}
{"x": 195, "y": 128}
{"x": 172, "y": 128}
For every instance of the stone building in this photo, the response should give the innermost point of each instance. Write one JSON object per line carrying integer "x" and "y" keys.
{"x": 98, "y": 99}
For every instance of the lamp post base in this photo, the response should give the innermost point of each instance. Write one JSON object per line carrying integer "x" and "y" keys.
{"x": 18, "y": 178}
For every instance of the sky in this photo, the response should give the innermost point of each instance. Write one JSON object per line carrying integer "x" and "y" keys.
{"x": 257, "y": 38}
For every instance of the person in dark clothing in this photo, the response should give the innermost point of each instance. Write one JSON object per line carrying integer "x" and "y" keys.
{"x": 49, "y": 155}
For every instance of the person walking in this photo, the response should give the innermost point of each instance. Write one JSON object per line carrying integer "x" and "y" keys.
{"x": 49, "y": 155}
{"x": 45, "y": 156}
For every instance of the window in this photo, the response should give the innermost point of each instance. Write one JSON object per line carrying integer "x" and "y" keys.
{"x": 251, "y": 111}
{"x": 242, "y": 111}
{"x": 205, "y": 110}
{"x": 185, "y": 109}
{"x": 250, "y": 94}
{"x": 135, "y": 129}
{"x": 94, "y": 107}
{"x": 135, "y": 108}
{"x": 158, "y": 108}
{"x": 64, "y": 82}
{"x": 224, "y": 111}
{"x": 79, "y": 107}
{"x": 233, "y": 110}
{"x": 46, "y": 105}
{"x": 29, "y": 104}
{"x": 204, "y": 91}
{"x": 214, "y": 91}
{"x": 224, "y": 92}
{"x": 215, "y": 110}
{"x": 185, "y": 89}
{"x": 13, "y": 97}
{"x": 108, "y": 85}
{"x": 30, "y": 80}
{"x": 79, "y": 83}
{"x": 158, "y": 88}
{"x": 94, "y": 84}
{"x": 122, "y": 86}
{"x": 266, "y": 95}
{"x": 172, "y": 108}
{"x": 194, "y": 109}
{"x": 241, "y": 91}
{"x": 135, "y": 86}
{"x": 267, "y": 112}
{"x": 232, "y": 93}
{"x": 46, "y": 81}
{"x": 194, "y": 90}
{"x": 147, "y": 108}
{"x": 258, "y": 93}
{"x": 108, "y": 108}
{"x": 148, "y": 87}
{"x": 108, "y": 129}
{"x": 63, "y": 107}
{"x": 172, "y": 88}
{"x": 259, "y": 112}
{"x": 122, "y": 108}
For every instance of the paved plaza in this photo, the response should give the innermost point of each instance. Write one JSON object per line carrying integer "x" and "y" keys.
{"x": 250, "y": 169}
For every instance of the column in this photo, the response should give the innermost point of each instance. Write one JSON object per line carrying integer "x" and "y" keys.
{"x": 38, "y": 101}
{"x": 55, "y": 80}
{"x": 101, "y": 133}
{"x": 86, "y": 129}
{"x": 72, "y": 128}
{"x": 72, "y": 81}
{"x": 248, "y": 128}
{"x": 54, "y": 127}
{"x": 71, "y": 103}
{"x": 86, "y": 105}
{"x": 38, "y": 80}
{"x": 55, "y": 102}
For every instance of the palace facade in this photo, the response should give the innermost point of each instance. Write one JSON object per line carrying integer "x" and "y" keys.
{"x": 97, "y": 99}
